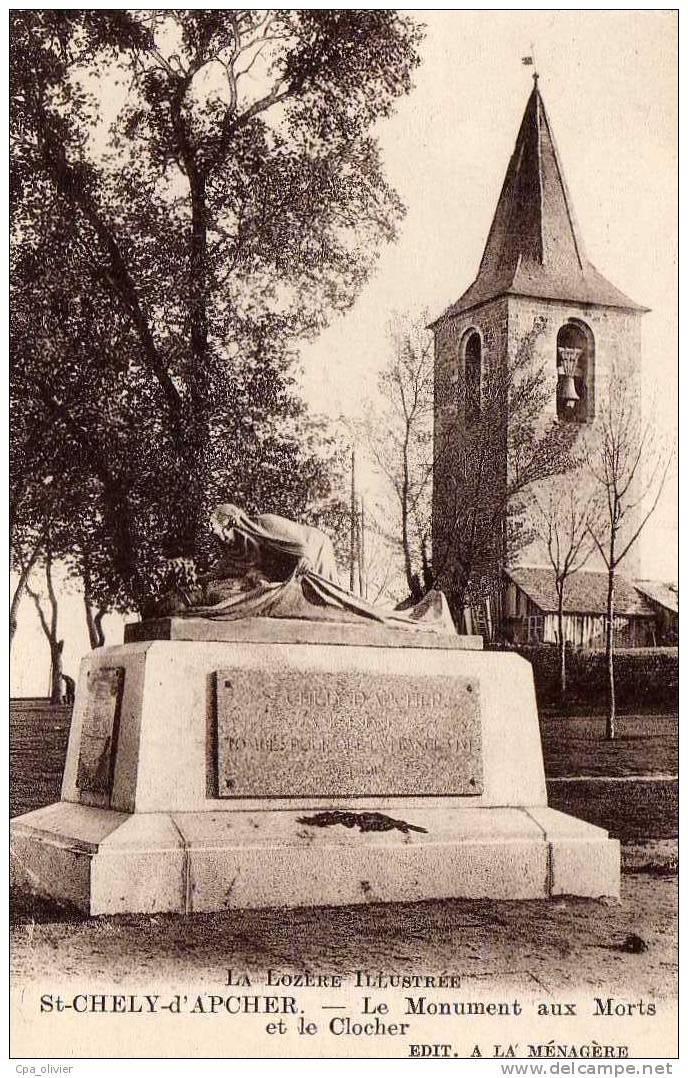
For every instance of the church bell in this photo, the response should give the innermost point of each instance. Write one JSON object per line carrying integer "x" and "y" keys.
{"x": 566, "y": 371}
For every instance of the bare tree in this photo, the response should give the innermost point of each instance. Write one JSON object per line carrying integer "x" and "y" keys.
{"x": 629, "y": 463}
{"x": 484, "y": 470}
{"x": 399, "y": 439}
{"x": 384, "y": 576}
{"x": 563, "y": 512}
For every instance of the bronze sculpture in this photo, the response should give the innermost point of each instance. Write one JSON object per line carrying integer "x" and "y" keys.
{"x": 274, "y": 567}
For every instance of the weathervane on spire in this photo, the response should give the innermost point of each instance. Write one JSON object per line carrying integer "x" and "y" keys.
{"x": 529, "y": 61}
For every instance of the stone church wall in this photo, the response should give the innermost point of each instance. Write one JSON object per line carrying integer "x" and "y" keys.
{"x": 617, "y": 337}
{"x": 491, "y": 321}
{"x": 502, "y": 324}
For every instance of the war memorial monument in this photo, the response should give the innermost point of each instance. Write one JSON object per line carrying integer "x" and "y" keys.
{"x": 268, "y": 739}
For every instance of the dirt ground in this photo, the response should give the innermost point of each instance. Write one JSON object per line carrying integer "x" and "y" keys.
{"x": 566, "y": 943}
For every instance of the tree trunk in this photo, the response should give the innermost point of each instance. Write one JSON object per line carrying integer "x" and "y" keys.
{"x": 428, "y": 577}
{"x": 405, "y": 531}
{"x": 458, "y": 596}
{"x": 20, "y": 589}
{"x": 562, "y": 642}
{"x": 90, "y": 623}
{"x": 94, "y": 622}
{"x": 353, "y": 531}
{"x": 16, "y": 600}
{"x": 610, "y": 732}
{"x": 98, "y": 623}
{"x": 56, "y": 648}
{"x": 196, "y": 431}
{"x": 49, "y": 628}
{"x": 362, "y": 586}
{"x": 411, "y": 579}
{"x": 14, "y": 608}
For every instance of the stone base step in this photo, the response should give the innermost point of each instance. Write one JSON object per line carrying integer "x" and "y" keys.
{"x": 107, "y": 862}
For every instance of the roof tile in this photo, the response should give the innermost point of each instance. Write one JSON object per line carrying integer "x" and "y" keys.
{"x": 534, "y": 246}
{"x": 585, "y": 592}
{"x": 658, "y": 592}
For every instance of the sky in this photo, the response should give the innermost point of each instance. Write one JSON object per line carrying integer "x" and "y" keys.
{"x": 609, "y": 83}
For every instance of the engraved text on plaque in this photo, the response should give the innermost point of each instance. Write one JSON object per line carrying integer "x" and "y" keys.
{"x": 347, "y": 734}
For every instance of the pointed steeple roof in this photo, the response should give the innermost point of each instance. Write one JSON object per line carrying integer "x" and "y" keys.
{"x": 534, "y": 246}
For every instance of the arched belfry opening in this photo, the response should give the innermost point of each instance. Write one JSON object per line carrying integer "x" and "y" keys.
{"x": 575, "y": 363}
{"x": 533, "y": 272}
{"x": 473, "y": 376}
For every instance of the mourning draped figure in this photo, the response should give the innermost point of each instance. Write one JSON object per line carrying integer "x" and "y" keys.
{"x": 270, "y": 566}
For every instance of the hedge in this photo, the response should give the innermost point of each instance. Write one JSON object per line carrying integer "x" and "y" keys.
{"x": 646, "y": 679}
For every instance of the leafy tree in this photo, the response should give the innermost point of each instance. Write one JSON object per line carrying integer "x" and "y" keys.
{"x": 193, "y": 192}
{"x": 74, "y": 405}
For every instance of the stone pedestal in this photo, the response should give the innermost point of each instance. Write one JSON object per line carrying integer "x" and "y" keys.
{"x": 284, "y": 764}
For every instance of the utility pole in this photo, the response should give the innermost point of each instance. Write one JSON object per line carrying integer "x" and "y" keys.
{"x": 353, "y": 525}
{"x": 361, "y": 552}
{"x": 362, "y": 581}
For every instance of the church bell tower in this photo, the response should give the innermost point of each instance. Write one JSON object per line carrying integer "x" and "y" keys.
{"x": 534, "y": 278}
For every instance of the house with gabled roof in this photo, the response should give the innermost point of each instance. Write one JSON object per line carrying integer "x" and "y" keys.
{"x": 531, "y": 610}
{"x": 663, "y": 598}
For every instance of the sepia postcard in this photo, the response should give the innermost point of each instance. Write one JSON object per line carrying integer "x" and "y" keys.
{"x": 343, "y": 537}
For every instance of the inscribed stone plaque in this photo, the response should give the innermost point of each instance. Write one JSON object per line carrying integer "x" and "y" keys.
{"x": 99, "y": 731}
{"x": 347, "y": 734}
